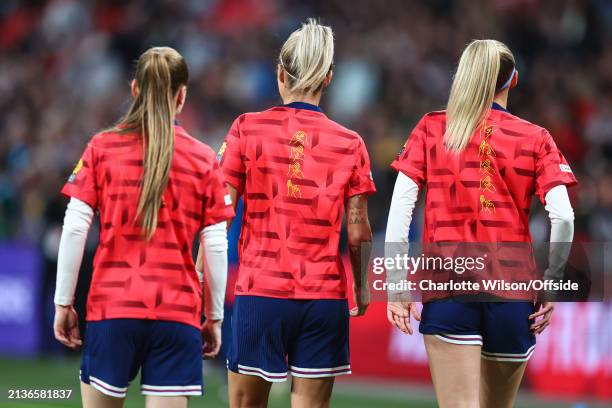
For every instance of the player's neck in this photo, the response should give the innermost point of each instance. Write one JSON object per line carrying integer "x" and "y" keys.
{"x": 502, "y": 99}
{"x": 311, "y": 99}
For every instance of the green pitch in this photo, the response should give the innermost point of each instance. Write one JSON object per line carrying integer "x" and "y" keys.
{"x": 63, "y": 374}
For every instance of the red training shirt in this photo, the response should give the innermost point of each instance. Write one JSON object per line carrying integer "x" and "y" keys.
{"x": 295, "y": 168}
{"x": 133, "y": 278}
{"x": 484, "y": 193}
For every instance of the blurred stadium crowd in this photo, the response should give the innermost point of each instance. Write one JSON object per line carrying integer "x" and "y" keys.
{"x": 65, "y": 67}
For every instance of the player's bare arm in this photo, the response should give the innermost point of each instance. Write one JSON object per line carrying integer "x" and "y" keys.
{"x": 360, "y": 247}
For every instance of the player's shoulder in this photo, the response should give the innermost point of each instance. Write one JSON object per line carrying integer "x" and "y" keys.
{"x": 184, "y": 141}
{"x": 340, "y": 136}
{"x": 107, "y": 136}
{"x": 260, "y": 117}
{"x": 313, "y": 119}
{"x": 340, "y": 129}
{"x": 518, "y": 125}
{"x": 432, "y": 120}
{"x": 438, "y": 116}
{"x": 250, "y": 120}
{"x": 110, "y": 140}
{"x": 431, "y": 124}
{"x": 435, "y": 115}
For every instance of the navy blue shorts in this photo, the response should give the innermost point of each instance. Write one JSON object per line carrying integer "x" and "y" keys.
{"x": 501, "y": 328}
{"x": 271, "y": 337}
{"x": 169, "y": 354}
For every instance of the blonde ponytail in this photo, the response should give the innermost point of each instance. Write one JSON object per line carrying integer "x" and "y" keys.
{"x": 473, "y": 89}
{"x": 160, "y": 72}
{"x": 307, "y": 57}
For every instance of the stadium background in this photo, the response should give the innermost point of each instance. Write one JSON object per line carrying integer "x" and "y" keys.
{"x": 65, "y": 66}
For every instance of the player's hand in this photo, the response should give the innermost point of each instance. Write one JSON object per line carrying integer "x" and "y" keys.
{"x": 544, "y": 310}
{"x": 362, "y": 300}
{"x": 398, "y": 314}
{"x": 211, "y": 338}
{"x": 66, "y": 326}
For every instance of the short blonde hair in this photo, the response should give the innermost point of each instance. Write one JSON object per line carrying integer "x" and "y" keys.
{"x": 473, "y": 90}
{"x": 307, "y": 57}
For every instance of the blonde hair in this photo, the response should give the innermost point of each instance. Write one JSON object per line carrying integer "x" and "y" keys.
{"x": 307, "y": 57}
{"x": 160, "y": 72}
{"x": 484, "y": 65}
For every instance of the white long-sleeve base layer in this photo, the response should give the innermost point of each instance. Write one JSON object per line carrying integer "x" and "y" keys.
{"x": 214, "y": 242}
{"x": 404, "y": 198}
{"x": 77, "y": 222}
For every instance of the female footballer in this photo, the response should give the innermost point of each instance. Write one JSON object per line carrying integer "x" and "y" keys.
{"x": 296, "y": 170}
{"x": 481, "y": 166}
{"x": 155, "y": 187}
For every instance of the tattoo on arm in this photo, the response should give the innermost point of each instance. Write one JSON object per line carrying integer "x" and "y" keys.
{"x": 357, "y": 212}
{"x": 360, "y": 246}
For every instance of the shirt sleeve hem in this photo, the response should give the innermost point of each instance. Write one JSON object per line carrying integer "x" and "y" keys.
{"x": 408, "y": 173}
{"x": 217, "y": 218}
{"x": 87, "y": 200}
{"x": 368, "y": 191}
{"x": 553, "y": 184}
{"x": 234, "y": 184}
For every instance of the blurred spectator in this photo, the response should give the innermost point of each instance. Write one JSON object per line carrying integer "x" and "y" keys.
{"x": 66, "y": 66}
